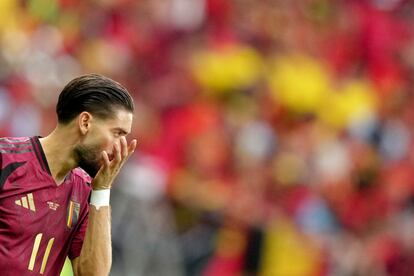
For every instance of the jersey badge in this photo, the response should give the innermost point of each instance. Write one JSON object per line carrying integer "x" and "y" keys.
{"x": 72, "y": 214}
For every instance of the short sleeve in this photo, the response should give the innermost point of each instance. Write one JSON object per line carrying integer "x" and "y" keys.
{"x": 1, "y": 172}
{"x": 77, "y": 241}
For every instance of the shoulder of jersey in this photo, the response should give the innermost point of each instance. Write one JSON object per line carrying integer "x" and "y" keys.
{"x": 15, "y": 145}
{"x": 79, "y": 172}
{"x": 14, "y": 141}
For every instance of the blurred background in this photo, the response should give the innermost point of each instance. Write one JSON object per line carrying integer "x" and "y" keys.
{"x": 275, "y": 136}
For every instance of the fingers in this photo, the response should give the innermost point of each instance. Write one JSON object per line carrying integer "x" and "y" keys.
{"x": 110, "y": 168}
{"x": 124, "y": 147}
{"x": 117, "y": 153}
{"x": 105, "y": 158}
{"x": 121, "y": 152}
{"x": 132, "y": 147}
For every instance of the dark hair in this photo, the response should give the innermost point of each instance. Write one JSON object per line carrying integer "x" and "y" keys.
{"x": 93, "y": 93}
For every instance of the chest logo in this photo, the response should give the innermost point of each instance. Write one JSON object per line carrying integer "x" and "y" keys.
{"x": 27, "y": 202}
{"x": 53, "y": 205}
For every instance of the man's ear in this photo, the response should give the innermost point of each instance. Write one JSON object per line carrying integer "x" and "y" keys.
{"x": 84, "y": 121}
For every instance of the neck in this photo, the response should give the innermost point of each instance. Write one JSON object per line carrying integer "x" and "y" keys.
{"x": 58, "y": 148}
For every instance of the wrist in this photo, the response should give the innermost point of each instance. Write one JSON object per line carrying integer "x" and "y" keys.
{"x": 100, "y": 198}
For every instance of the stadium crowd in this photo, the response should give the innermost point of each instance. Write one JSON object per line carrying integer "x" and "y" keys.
{"x": 275, "y": 137}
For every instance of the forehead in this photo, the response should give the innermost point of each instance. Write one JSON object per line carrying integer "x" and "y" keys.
{"x": 121, "y": 119}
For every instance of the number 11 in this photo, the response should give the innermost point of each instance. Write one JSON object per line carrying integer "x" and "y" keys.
{"x": 36, "y": 245}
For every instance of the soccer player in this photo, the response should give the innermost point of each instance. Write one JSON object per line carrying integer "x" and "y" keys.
{"x": 54, "y": 191}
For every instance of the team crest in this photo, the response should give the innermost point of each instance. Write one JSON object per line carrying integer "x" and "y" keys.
{"x": 72, "y": 214}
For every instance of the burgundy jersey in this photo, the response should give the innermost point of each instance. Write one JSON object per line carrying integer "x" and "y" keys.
{"x": 40, "y": 222}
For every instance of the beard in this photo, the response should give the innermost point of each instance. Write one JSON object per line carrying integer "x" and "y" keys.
{"x": 88, "y": 158}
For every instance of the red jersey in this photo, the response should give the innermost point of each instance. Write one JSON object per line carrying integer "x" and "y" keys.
{"x": 40, "y": 222}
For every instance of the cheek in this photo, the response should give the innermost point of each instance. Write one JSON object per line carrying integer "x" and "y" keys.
{"x": 100, "y": 139}
{"x": 108, "y": 143}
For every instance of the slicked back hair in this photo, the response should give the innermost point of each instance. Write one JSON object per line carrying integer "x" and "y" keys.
{"x": 93, "y": 93}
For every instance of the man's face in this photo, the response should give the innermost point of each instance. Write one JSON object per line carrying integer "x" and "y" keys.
{"x": 102, "y": 136}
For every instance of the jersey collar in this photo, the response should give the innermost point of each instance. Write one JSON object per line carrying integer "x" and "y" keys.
{"x": 40, "y": 154}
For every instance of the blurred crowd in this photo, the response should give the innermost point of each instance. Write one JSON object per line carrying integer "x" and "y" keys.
{"x": 275, "y": 136}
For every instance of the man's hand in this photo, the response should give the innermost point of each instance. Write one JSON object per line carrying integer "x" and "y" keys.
{"x": 111, "y": 168}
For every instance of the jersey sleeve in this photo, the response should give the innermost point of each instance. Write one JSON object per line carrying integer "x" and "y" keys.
{"x": 1, "y": 172}
{"x": 77, "y": 241}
